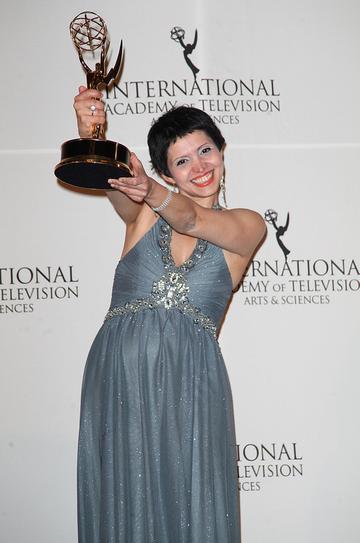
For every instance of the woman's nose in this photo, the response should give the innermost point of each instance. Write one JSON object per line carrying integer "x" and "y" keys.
{"x": 198, "y": 164}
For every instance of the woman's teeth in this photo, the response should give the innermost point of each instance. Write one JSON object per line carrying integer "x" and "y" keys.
{"x": 203, "y": 179}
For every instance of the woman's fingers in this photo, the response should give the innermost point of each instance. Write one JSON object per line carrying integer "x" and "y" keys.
{"x": 89, "y": 105}
{"x": 136, "y": 166}
{"x": 129, "y": 186}
{"x": 128, "y": 182}
{"x": 135, "y": 187}
{"x": 90, "y": 110}
{"x": 86, "y": 94}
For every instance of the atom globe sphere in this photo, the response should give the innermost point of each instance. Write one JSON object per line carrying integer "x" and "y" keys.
{"x": 88, "y": 31}
{"x": 271, "y": 215}
{"x": 177, "y": 33}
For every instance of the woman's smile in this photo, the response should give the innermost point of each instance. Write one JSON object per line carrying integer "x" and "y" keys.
{"x": 204, "y": 180}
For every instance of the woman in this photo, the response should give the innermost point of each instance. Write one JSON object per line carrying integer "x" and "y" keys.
{"x": 157, "y": 456}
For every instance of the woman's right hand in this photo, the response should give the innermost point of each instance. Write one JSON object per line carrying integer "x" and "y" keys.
{"x": 89, "y": 109}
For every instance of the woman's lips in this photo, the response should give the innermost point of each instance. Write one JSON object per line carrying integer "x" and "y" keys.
{"x": 204, "y": 180}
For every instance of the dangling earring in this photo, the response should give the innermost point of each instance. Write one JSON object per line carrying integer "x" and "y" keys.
{"x": 175, "y": 189}
{"x": 223, "y": 190}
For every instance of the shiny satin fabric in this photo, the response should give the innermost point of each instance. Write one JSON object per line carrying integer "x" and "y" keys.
{"x": 157, "y": 448}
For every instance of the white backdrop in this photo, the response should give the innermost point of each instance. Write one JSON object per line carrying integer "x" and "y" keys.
{"x": 289, "y": 339}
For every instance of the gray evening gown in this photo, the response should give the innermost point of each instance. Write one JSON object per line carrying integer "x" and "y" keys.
{"x": 157, "y": 449}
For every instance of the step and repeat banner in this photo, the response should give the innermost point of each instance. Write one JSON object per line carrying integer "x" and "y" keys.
{"x": 282, "y": 82}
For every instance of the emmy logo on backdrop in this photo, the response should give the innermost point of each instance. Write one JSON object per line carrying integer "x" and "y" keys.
{"x": 271, "y": 217}
{"x": 178, "y": 34}
{"x": 90, "y": 162}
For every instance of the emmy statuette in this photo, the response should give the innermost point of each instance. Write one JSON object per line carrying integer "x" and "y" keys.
{"x": 90, "y": 162}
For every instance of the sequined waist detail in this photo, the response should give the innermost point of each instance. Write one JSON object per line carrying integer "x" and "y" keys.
{"x": 170, "y": 292}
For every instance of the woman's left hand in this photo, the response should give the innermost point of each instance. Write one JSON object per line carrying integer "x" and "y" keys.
{"x": 137, "y": 187}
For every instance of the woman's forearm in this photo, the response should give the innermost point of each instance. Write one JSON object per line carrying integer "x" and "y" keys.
{"x": 126, "y": 208}
{"x": 179, "y": 211}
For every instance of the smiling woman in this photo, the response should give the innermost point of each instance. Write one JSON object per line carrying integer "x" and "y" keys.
{"x": 157, "y": 447}
{"x": 194, "y": 162}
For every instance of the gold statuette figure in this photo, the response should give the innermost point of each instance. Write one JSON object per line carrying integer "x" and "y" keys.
{"x": 90, "y": 162}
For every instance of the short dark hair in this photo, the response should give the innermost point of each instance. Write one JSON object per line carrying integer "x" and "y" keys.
{"x": 177, "y": 123}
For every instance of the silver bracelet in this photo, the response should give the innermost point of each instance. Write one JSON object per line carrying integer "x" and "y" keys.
{"x": 165, "y": 203}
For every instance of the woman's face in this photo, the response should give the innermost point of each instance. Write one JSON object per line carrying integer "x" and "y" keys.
{"x": 196, "y": 165}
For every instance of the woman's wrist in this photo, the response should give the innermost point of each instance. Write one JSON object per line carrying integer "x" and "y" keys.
{"x": 157, "y": 194}
{"x": 165, "y": 202}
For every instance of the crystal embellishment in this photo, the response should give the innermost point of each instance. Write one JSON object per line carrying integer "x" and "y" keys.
{"x": 171, "y": 290}
{"x": 184, "y": 306}
{"x": 168, "y": 261}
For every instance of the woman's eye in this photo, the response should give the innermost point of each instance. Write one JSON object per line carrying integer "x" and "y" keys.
{"x": 180, "y": 162}
{"x": 205, "y": 150}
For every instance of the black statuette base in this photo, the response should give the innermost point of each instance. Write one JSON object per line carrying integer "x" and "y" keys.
{"x": 89, "y": 163}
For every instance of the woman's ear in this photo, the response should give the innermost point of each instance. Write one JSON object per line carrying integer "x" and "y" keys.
{"x": 168, "y": 180}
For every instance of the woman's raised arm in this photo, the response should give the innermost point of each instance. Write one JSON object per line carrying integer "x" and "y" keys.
{"x": 238, "y": 230}
{"x": 90, "y": 111}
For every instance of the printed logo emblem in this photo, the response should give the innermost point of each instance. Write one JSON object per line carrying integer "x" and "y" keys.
{"x": 223, "y": 96}
{"x": 271, "y": 216}
{"x": 178, "y": 34}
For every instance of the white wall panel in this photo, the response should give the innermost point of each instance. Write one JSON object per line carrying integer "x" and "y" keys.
{"x": 293, "y": 366}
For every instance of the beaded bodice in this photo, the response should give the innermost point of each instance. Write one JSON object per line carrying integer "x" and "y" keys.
{"x": 147, "y": 279}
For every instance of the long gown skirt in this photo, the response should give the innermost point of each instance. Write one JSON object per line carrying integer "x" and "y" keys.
{"x": 157, "y": 453}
